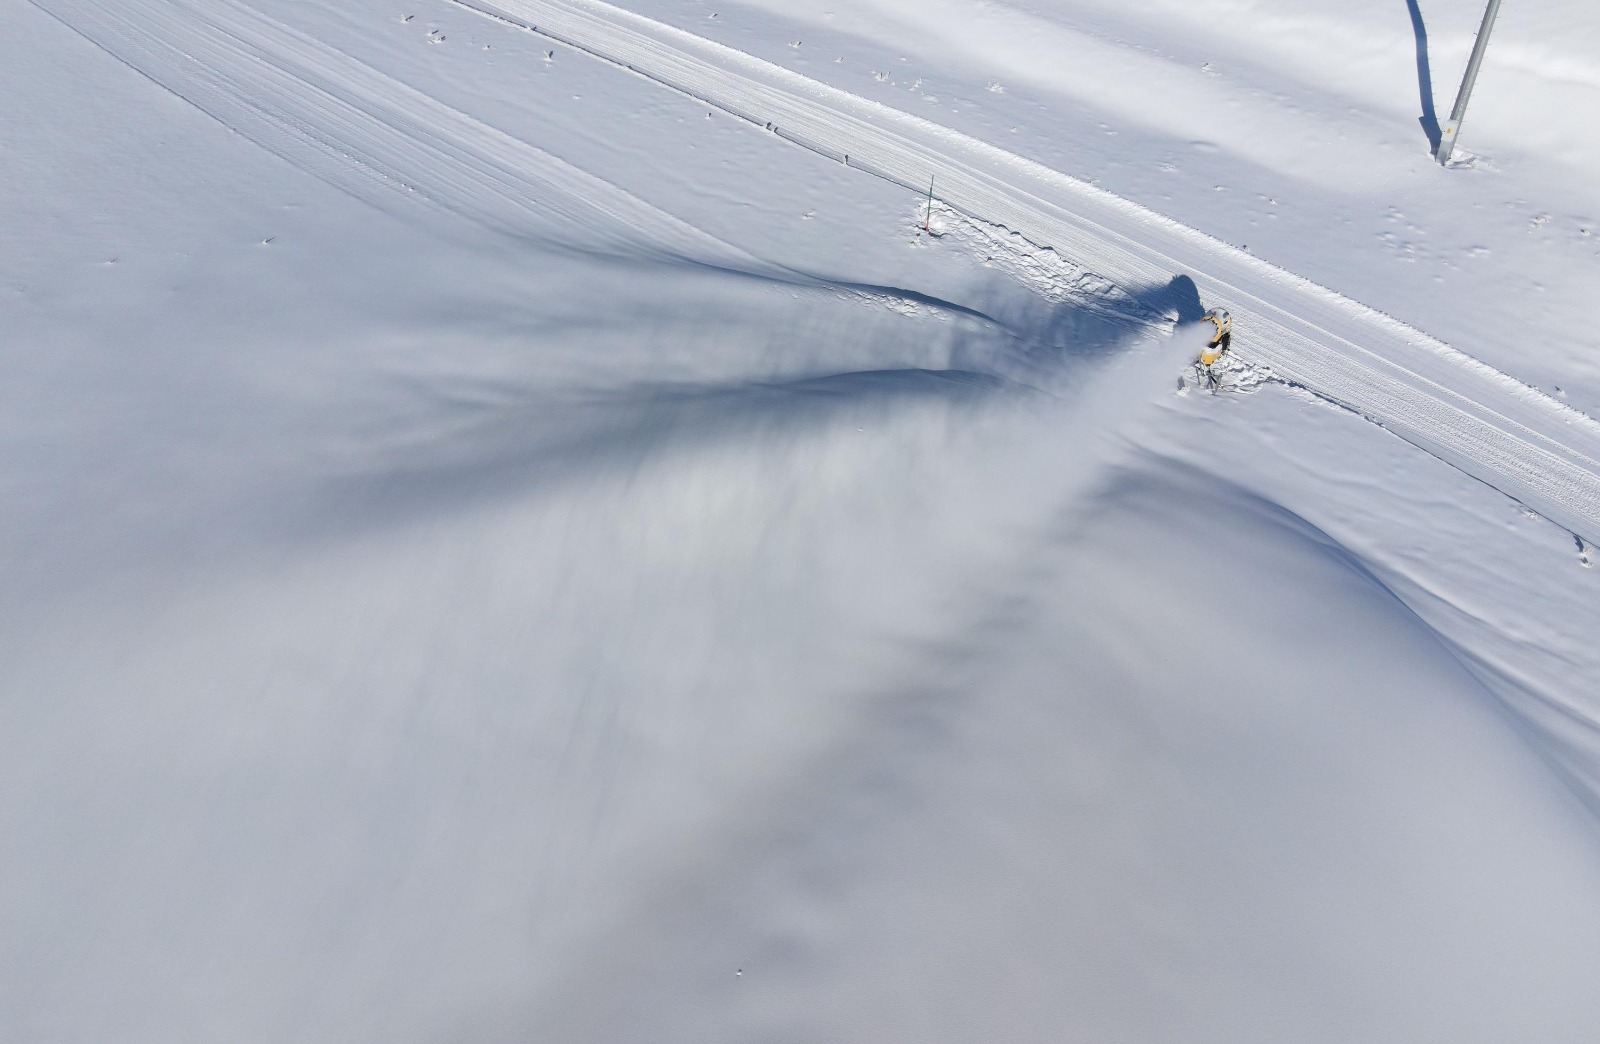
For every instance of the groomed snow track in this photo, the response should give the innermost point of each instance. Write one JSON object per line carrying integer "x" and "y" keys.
{"x": 349, "y": 124}
{"x": 1518, "y": 440}
{"x": 369, "y": 134}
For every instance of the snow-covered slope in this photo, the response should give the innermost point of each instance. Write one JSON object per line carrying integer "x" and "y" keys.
{"x": 268, "y": 82}
{"x": 497, "y": 549}
{"x": 1298, "y": 133}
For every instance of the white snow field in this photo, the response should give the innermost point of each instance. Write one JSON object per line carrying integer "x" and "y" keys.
{"x": 509, "y": 534}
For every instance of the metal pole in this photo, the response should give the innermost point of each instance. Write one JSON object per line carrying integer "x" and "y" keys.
{"x": 1451, "y": 130}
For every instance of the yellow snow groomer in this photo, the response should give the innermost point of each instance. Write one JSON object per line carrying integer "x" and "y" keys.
{"x": 1219, "y": 340}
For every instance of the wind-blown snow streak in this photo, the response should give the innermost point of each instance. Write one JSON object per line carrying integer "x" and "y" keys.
{"x": 1492, "y": 427}
{"x": 371, "y": 135}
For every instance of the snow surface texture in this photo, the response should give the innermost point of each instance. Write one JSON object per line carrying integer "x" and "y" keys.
{"x": 1525, "y": 444}
{"x": 496, "y": 549}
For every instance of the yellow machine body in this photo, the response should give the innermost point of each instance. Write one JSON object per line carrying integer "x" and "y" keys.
{"x": 1219, "y": 341}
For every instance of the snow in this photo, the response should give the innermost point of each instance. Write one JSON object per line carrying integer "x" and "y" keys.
{"x": 1346, "y": 195}
{"x": 1527, "y": 446}
{"x": 495, "y": 548}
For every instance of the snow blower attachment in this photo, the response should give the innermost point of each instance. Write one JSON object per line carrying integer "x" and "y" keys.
{"x": 1217, "y": 345}
{"x": 1219, "y": 340}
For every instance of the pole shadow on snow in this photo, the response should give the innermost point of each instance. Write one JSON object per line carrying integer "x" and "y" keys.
{"x": 1179, "y": 298}
{"x": 1429, "y": 118}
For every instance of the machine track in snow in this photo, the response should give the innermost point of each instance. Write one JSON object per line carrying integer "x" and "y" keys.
{"x": 369, "y": 134}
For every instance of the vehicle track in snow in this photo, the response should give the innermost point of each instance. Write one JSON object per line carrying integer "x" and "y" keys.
{"x": 1532, "y": 448}
{"x": 356, "y": 128}
{"x": 371, "y": 135}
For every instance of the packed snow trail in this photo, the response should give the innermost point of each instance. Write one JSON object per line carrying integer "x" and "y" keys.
{"x": 370, "y": 134}
{"x": 1496, "y": 429}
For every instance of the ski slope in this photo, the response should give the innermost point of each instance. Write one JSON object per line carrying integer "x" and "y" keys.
{"x": 1523, "y": 443}
{"x": 372, "y": 135}
{"x": 444, "y": 596}
{"x": 359, "y": 129}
